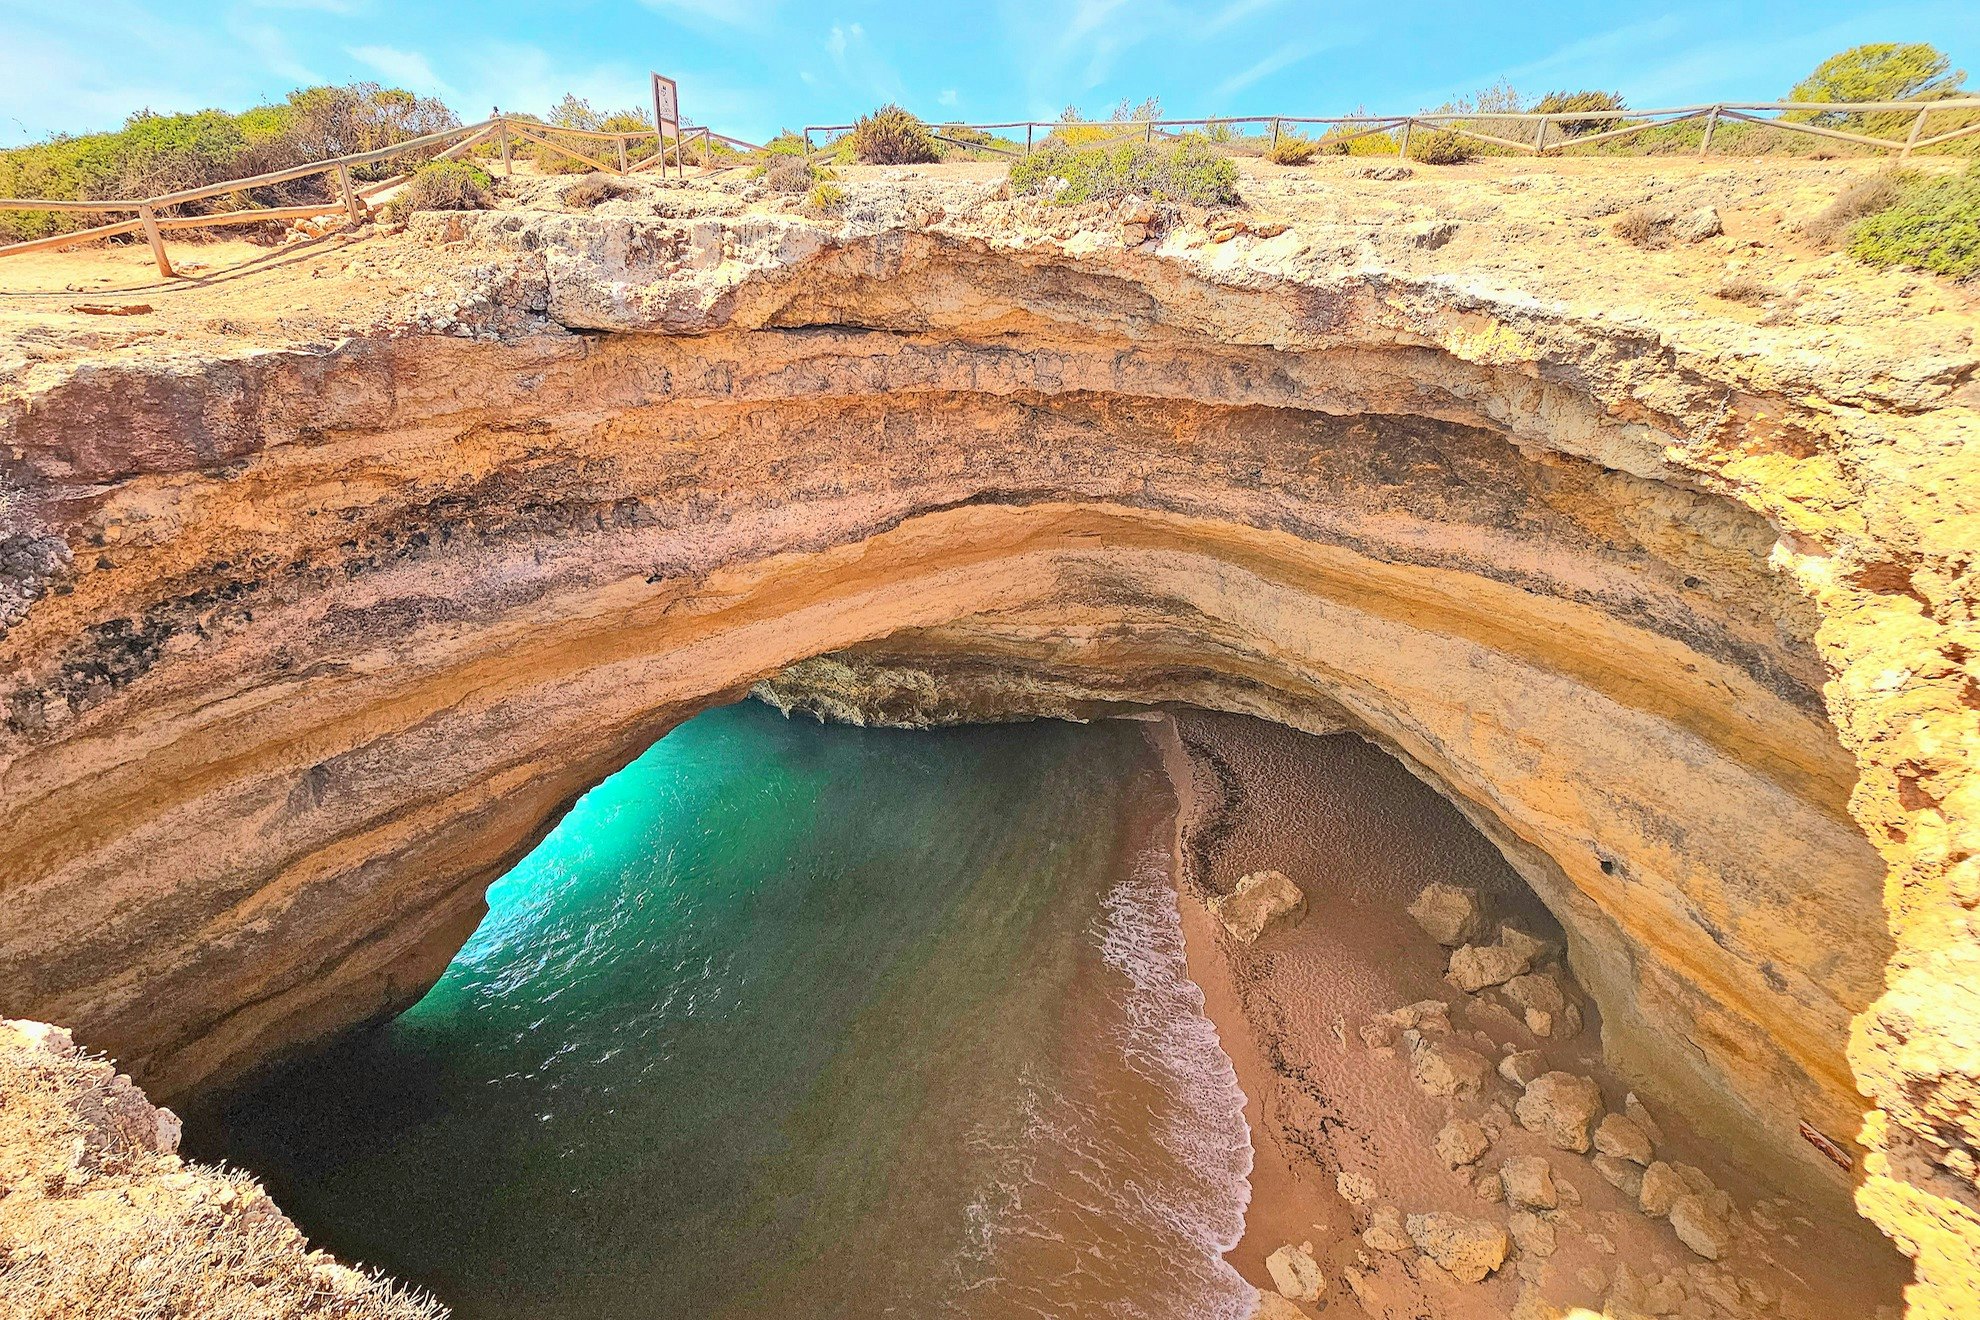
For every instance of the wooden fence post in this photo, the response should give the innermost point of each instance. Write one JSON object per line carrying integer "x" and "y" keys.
{"x": 1275, "y": 133}
{"x": 1402, "y": 147}
{"x": 508, "y": 169}
{"x": 1540, "y": 137}
{"x": 350, "y": 195}
{"x": 1027, "y": 139}
{"x": 1917, "y": 127}
{"x": 156, "y": 239}
{"x": 1711, "y": 122}
{"x": 622, "y": 155}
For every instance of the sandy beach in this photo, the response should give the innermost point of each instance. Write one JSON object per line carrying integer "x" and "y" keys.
{"x": 1362, "y": 837}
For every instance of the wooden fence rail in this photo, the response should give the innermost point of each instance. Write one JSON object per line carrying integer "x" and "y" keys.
{"x": 351, "y": 198}
{"x": 504, "y": 131}
{"x": 1464, "y": 124}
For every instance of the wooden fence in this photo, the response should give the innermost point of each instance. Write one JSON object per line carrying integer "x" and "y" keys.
{"x": 1536, "y": 143}
{"x": 150, "y": 215}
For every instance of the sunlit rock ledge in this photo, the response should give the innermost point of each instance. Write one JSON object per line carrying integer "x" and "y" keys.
{"x": 324, "y": 604}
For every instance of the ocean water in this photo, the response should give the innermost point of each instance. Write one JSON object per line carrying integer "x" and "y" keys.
{"x": 788, "y": 1019}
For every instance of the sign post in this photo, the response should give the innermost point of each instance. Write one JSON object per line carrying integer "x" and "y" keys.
{"x": 667, "y": 113}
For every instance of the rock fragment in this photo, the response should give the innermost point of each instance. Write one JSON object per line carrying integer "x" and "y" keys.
{"x": 1661, "y": 1188}
{"x": 1468, "y": 1248}
{"x": 1460, "y": 1142}
{"x": 1295, "y": 1273}
{"x": 1385, "y": 1231}
{"x": 1700, "y": 1227}
{"x": 1354, "y": 1188}
{"x": 1561, "y": 1108}
{"x": 1476, "y": 967}
{"x": 1699, "y": 225}
{"x": 1255, "y": 902}
{"x": 1522, "y": 1067}
{"x": 1271, "y": 1306}
{"x": 1622, "y": 1175}
{"x": 1634, "y": 1110}
{"x": 1618, "y": 1136}
{"x": 1449, "y": 914}
{"x": 1529, "y": 1181}
{"x": 1443, "y": 1068}
{"x": 1534, "y": 1235}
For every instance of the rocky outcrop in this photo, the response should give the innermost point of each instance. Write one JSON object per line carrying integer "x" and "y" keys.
{"x": 306, "y": 642}
{"x": 101, "y": 1217}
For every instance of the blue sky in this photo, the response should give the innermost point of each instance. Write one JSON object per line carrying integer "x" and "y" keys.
{"x": 749, "y": 67}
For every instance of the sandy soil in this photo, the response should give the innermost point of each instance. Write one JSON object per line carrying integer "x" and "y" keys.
{"x": 1361, "y": 837}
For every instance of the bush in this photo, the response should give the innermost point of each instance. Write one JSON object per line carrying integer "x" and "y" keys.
{"x": 1863, "y": 198}
{"x": 792, "y": 174}
{"x": 593, "y": 189}
{"x": 1881, "y": 71}
{"x": 1567, "y": 103}
{"x": 892, "y": 136}
{"x": 1443, "y": 147}
{"x": 1190, "y": 171}
{"x": 153, "y": 154}
{"x": 825, "y": 199}
{"x": 1933, "y": 225}
{"x": 1292, "y": 149}
{"x": 442, "y": 185}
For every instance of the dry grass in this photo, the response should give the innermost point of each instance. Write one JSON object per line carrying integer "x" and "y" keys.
{"x": 1643, "y": 226}
{"x": 1862, "y": 199}
{"x": 592, "y": 190}
{"x": 102, "y": 1221}
{"x": 1742, "y": 289}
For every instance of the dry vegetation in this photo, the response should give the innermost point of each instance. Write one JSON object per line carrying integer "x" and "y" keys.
{"x": 103, "y": 1220}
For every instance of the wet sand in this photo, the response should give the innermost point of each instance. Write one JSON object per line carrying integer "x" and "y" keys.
{"x": 1361, "y": 837}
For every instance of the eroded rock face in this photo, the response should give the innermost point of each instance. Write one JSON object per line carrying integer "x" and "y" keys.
{"x": 304, "y": 648}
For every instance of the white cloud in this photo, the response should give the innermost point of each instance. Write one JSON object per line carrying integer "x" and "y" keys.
{"x": 406, "y": 68}
{"x": 949, "y": 96}
{"x": 1268, "y": 66}
{"x": 1232, "y": 14}
{"x": 747, "y": 14}
{"x": 860, "y": 67}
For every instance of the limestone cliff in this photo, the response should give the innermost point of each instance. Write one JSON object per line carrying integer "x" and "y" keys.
{"x": 311, "y": 632}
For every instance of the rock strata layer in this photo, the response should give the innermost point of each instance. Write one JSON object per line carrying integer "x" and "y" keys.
{"x": 305, "y": 645}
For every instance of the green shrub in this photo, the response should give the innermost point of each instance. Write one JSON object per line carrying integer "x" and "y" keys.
{"x": 793, "y": 174}
{"x": 1190, "y": 171}
{"x": 892, "y": 136}
{"x": 442, "y": 185}
{"x": 1933, "y": 225}
{"x": 825, "y": 199}
{"x": 1340, "y": 140}
{"x": 1568, "y": 103}
{"x": 1442, "y": 146}
{"x": 1292, "y": 149}
{"x": 153, "y": 154}
{"x": 1881, "y": 71}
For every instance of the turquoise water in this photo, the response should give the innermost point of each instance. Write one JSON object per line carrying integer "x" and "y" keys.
{"x": 789, "y": 1019}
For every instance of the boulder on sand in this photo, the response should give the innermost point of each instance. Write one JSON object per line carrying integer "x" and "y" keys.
{"x": 1255, "y": 902}
{"x": 1449, "y": 914}
{"x": 1295, "y": 1273}
{"x": 1468, "y": 1248}
{"x": 1562, "y": 1108}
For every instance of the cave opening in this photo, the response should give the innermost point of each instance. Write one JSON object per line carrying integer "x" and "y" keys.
{"x": 941, "y": 1020}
